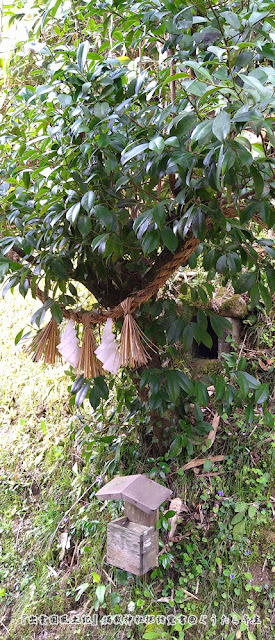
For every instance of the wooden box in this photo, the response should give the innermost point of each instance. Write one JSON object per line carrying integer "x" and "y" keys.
{"x": 131, "y": 546}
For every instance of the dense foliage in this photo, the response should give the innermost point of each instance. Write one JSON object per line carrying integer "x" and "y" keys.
{"x": 127, "y": 129}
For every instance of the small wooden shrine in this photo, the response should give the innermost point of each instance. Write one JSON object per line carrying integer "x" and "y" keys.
{"x": 132, "y": 541}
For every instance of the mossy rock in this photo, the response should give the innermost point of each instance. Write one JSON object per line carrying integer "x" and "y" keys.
{"x": 211, "y": 367}
{"x": 233, "y": 307}
{"x": 206, "y": 367}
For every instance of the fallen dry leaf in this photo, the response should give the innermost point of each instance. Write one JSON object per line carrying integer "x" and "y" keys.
{"x": 164, "y": 599}
{"x": 197, "y": 462}
{"x": 262, "y": 365}
{"x": 212, "y": 434}
{"x": 178, "y": 506}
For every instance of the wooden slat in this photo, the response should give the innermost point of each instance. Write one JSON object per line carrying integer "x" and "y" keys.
{"x": 138, "y": 490}
{"x": 113, "y": 489}
{"x": 146, "y": 494}
{"x": 132, "y": 546}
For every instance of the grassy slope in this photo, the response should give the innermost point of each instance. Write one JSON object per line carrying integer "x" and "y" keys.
{"x": 43, "y": 476}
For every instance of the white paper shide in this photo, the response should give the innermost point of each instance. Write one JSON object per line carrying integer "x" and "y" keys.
{"x": 107, "y": 352}
{"x": 69, "y": 347}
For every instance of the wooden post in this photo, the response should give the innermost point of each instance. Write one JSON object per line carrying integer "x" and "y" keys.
{"x": 135, "y": 514}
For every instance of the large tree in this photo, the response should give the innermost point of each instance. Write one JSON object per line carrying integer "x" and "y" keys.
{"x": 135, "y": 137}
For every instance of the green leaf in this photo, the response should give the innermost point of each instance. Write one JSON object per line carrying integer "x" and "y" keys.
{"x": 173, "y": 141}
{"x": 176, "y": 447}
{"x": 208, "y": 465}
{"x": 202, "y": 295}
{"x": 240, "y": 506}
{"x": 73, "y": 212}
{"x": 155, "y": 401}
{"x": 101, "y": 109}
{"x": 239, "y": 529}
{"x": 238, "y": 517}
{"x": 173, "y": 385}
{"x": 219, "y": 388}
{"x": 95, "y": 396}
{"x": 59, "y": 270}
{"x": 199, "y": 69}
{"x": 87, "y": 201}
{"x": 80, "y": 590}
{"x": 201, "y": 320}
{"x": 82, "y": 393}
{"x": 77, "y": 384}
{"x": 219, "y": 325}
{"x": 81, "y": 55}
{"x": 246, "y": 282}
{"x": 101, "y": 386}
{"x": 270, "y": 275}
{"x": 145, "y": 378}
{"x": 142, "y": 222}
{"x": 150, "y": 241}
{"x": 157, "y": 144}
{"x": 253, "y": 382}
{"x": 158, "y": 214}
{"x": 265, "y": 296}
{"x": 262, "y": 394}
{"x": 258, "y": 181}
{"x": 64, "y": 99}
{"x": 252, "y": 511}
{"x": 100, "y": 592}
{"x": 252, "y": 83}
{"x": 56, "y": 312}
{"x": 185, "y": 383}
{"x": 4, "y": 268}
{"x": 204, "y": 337}
{"x": 199, "y": 224}
{"x": 202, "y": 130}
{"x": 18, "y": 336}
{"x": 169, "y": 239}
{"x": 232, "y": 19}
{"x": 38, "y": 316}
{"x": 187, "y": 337}
{"x": 99, "y": 241}
{"x": 249, "y": 414}
{"x": 84, "y": 225}
{"x": 201, "y": 393}
{"x": 96, "y": 577}
{"x": 104, "y": 216}
{"x": 254, "y": 295}
{"x": 243, "y": 383}
{"x": 221, "y": 125}
{"x": 133, "y": 152}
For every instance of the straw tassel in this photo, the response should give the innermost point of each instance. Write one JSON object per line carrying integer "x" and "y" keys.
{"x": 45, "y": 343}
{"x": 132, "y": 351}
{"x": 88, "y": 362}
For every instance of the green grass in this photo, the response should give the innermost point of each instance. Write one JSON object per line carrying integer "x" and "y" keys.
{"x": 50, "y": 456}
